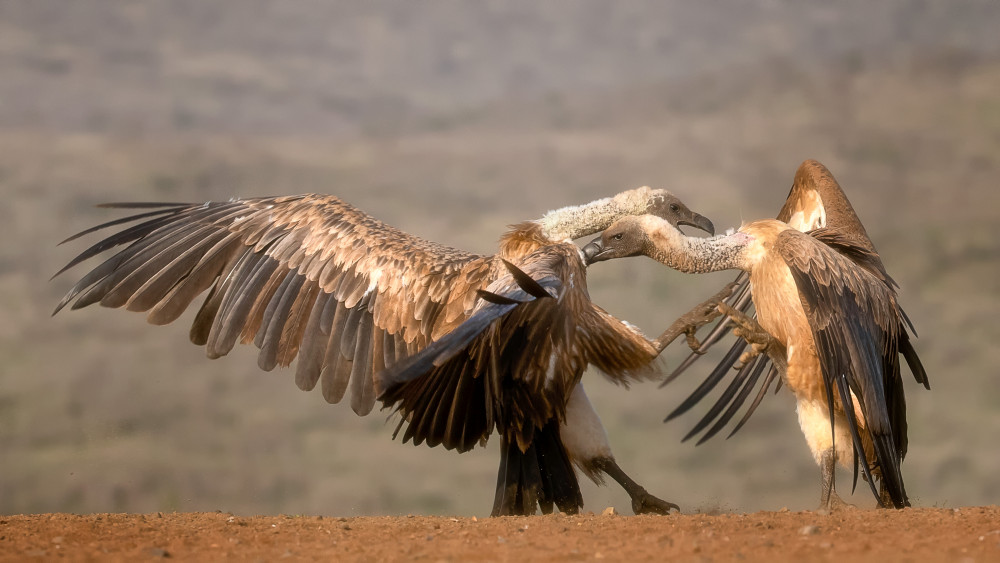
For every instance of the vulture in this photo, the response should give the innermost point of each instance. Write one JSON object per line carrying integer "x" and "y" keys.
{"x": 815, "y": 200}
{"x": 515, "y": 365}
{"x": 314, "y": 278}
{"x": 827, "y": 316}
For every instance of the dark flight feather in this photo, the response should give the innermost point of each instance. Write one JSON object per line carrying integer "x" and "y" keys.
{"x": 855, "y": 323}
{"x": 263, "y": 262}
{"x": 772, "y": 374}
{"x": 707, "y": 384}
{"x": 746, "y": 379}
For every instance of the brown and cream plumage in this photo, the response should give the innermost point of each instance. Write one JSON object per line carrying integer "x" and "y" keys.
{"x": 815, "y": 201}
{"x": 313, "y": 278}
{"x": 830, "y": 320}
{"x": 515, "y": 366}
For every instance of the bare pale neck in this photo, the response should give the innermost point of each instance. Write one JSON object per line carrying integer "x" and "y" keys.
{"x": 695, "y": 255}
{"x": 570, "y": 223}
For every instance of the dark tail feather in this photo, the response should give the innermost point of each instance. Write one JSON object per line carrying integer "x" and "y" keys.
{"x": 859, "y": 450}
{"x": 912, "y": 360}
{"x": 559, "y": 483}
{"x": 892, "y": 479}
{"x": 515, "y": 486}
{"x": 542, "y": 476}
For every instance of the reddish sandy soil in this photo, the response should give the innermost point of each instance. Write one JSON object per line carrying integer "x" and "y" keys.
{"x": 932, "y": 534}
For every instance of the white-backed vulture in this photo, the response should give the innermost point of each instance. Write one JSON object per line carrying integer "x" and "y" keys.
{"x": 515, "y": 365}
{"x": 831, "y": 325}
{"x": 312, "y": 277}
{"x": 815, "y": 201}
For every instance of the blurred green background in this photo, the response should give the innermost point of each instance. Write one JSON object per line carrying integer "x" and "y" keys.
{"x": 451, "y": 120}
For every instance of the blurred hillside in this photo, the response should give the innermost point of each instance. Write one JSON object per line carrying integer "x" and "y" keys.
{"x": 451, "y": 121}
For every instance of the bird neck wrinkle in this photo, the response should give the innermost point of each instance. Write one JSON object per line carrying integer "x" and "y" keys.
{"x": 696, "y": 255}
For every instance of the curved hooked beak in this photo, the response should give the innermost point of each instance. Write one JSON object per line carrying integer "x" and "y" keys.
{"x": 595, "y": 251}
{"x": 699, "y": 222}
{"x": 592, "y": 252}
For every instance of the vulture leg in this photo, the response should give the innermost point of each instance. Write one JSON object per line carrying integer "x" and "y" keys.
{"x": 702, "y": 314}
{"x": 750, "y": 330}
{"x": 587, "y": 444}
{"x": 829, "y": 500}
{"x": 642, "y": 501}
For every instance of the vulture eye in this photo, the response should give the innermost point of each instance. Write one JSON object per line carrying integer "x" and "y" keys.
{"x": 674, "y": 207}
{"x": 616, "y": 237}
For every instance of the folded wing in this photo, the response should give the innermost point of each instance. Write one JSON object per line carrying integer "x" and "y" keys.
{"x": 856, "y": 324}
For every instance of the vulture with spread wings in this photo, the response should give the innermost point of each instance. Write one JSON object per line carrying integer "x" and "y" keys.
{"x": 828, "y": 320}
{"x": 313, "y": 278}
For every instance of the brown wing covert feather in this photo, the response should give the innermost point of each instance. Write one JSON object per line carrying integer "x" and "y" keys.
{"x": 306, "y": 276}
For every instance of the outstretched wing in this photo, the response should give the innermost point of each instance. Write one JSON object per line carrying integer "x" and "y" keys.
{"x": 513, "y": 363}
{"x": 856, "y": 325}
{"x": 815, "y": 201}
{"x": 307, "y": 276}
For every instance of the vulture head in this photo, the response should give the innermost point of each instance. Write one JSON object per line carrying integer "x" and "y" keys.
{"x": 626, "y": 237}
{"x": 629, "y": 236}
{"x": 668, "y": 207}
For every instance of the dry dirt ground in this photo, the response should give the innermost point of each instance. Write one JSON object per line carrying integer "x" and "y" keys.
{"x": 922, "y": 534}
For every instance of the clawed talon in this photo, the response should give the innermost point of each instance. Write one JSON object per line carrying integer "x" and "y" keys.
{"x": 729, "y": 289}
{"x": 695, "y": 320}
{"x": 692, "y": 341}
{"x": 699, "y": 316}
{"x": 750, "y": 330}
{"x": 645, "y": 503}
{"x": 744, "y": 360}
{"x": 642, "y": 501}
{"x": 759, "y": 342}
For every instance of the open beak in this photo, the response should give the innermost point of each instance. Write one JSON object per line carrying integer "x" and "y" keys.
{"x": 699, "y": 222}
{"x": 592, "y": 252}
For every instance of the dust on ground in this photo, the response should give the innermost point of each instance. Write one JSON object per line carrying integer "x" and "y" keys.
{"x": 941, "y": 534}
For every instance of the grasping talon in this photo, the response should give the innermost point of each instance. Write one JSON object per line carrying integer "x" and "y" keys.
{"x": 642, "y": 501}
{"x": 645, "y": 503}
{"x": 750, "y": 330}
{"x": 699, "y": 316}
{"x": 704, "y": 313}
